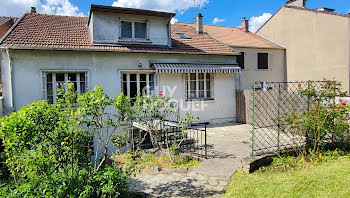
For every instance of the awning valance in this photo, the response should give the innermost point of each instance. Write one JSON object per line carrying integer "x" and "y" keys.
{"x": 195, "y": 68}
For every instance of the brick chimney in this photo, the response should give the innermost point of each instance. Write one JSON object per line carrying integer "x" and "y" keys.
{"x": 33, "y": 10}
{"x": 297, "y": 3}
{"x": 245, "y": 25}
{"x": 199, "y": 23}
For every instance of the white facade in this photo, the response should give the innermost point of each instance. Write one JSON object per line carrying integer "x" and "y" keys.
{"x": 23, "y": 84}
{"x": 106, "y": 28}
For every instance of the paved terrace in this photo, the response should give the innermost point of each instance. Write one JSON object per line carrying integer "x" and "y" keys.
{"x": 228, "y": 151}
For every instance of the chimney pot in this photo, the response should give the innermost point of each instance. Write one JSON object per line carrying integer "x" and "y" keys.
{"x": 297, "y": 3}
{"x": 199, "y": 23}
{"x": 245, "y": 24}
{"x": 33, "y": 10}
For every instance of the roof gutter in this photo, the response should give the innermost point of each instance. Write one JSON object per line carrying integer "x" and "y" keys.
{"x": 118, "y": 51}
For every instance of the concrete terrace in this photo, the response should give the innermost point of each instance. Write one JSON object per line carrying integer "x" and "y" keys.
{"x": 228, "y": 151}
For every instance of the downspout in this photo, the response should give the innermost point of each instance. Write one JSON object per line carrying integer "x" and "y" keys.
{"x": 9, "y": 97}
{"x": 169, "y": 34}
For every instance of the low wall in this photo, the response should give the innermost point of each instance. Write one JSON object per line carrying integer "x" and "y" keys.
{"x": 1, "y": 109}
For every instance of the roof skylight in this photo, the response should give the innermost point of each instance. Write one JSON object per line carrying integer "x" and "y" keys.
{"x": 183, "y": 36}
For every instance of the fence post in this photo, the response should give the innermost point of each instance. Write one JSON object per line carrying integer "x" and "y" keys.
{"x": 278, "y": 116}
{"x": 205, "y": 141}
{"x": 253, "y": 122}
{"x": 308, "y": 109}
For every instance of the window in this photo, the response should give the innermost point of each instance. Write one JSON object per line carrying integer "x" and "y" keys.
{"x": 183, "y": 35}
{"x": 198, "y": 86}
{"x": 133, "y": 30}
{"x": 240, "y": 60}
{"x": 126, "y": 29}
{"x": 59, "y": 80}
{"x": 134, "y": 83}
{"x": 140, "y": 30}
{"x": 263, "y": 60}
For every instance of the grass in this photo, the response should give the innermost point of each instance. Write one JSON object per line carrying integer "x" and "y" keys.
{"x": 325, "y": 179}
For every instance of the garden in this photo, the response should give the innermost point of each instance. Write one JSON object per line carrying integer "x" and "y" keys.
{"x": 62, "y": 149}
{"x": 318, "y": 165}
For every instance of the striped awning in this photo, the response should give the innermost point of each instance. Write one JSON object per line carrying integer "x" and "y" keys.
{"x": 195, "y": 68}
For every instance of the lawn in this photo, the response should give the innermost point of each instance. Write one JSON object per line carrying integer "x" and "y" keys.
{"x": 331, "y": 179}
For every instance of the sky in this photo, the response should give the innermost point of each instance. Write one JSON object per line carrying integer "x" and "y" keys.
{"x": 216, "y": 12}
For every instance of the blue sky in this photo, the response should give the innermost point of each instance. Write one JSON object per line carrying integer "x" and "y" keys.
{"x": 227, "y": 12}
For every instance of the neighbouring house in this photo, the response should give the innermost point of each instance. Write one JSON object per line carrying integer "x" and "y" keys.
{"x": 317, "y": 41}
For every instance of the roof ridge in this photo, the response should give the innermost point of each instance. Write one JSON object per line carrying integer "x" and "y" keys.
{"x": 56, "y": 15}
{"x": 317, "y": 11}
{"x": 211, "y": 25}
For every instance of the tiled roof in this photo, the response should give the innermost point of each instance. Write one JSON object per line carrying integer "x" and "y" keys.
{"x": 237, "y": 37}
{"x": 4, "y": 19}
{"x": 67, "y": 32}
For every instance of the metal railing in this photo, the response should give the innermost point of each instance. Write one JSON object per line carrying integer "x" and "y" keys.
{"x": 192, "y": 140}
{"x": 270, "y": 101}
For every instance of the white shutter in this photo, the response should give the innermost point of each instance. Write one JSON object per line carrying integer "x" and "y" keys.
{"x": 43, "y": 81}
{"x": 119, "y": 28}
{"x": 148, "y": 30}
{"x": 87, "y": 84}
{"x": 212, "y": 87}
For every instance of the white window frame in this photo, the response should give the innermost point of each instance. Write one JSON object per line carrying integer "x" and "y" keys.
{"x": 133, "y": 21}
{"x": 54, "y": 88}
{"x": 187, "y": 81}
{"x": 138, "y": 73}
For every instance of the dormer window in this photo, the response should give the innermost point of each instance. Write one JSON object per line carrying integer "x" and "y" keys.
{"x": 134, "y": 30}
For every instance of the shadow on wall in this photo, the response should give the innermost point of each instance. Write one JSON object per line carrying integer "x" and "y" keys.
{"x": 1, "y": 105}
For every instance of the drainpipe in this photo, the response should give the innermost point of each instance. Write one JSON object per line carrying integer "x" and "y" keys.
{"x": 169, "y": 33}
{"x": 9, "y": 105}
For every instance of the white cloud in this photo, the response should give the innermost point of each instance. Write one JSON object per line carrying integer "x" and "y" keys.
{"x": 162, "y": 5}
{"x": 19, "y": 7}
{"x": 174, "y": 20}
{"x": 256, "y": 22}
{"x": 216, "y": 20}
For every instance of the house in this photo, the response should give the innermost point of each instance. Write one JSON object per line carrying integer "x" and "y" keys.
{"x": 317, "y": 41}
{"x": 5, "y": 24}
{"x": 125, "y": 50}
{"x": 122, "y": 50}
{"x": 260, "y": 59}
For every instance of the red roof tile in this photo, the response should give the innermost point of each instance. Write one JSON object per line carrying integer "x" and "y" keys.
{"x": 4, "y": 19}
{"x": 237, "y": 37}
{"x": 67, "y": 32}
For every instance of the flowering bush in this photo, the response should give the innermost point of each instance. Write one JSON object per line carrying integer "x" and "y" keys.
{"x": 325, "y": 121}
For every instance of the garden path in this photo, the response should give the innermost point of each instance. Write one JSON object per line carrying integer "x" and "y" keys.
{"x": 228, "y": 151}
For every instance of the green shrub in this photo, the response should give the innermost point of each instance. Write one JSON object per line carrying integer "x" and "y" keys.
{"x": 47, "y": 151}
{"x": 109, "y": 182}
{"x": 325, "y": 121}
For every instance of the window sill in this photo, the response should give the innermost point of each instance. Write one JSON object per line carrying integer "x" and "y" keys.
{"x": 137, "y": 41}
{"x": 200, "y": 100}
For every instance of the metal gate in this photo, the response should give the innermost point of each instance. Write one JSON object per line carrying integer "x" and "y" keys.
{"x": 270, "y": 101}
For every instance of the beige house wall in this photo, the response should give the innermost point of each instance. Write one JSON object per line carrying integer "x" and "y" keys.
{"x": 275, "y": 73}
{"x": 317, "y": 44}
